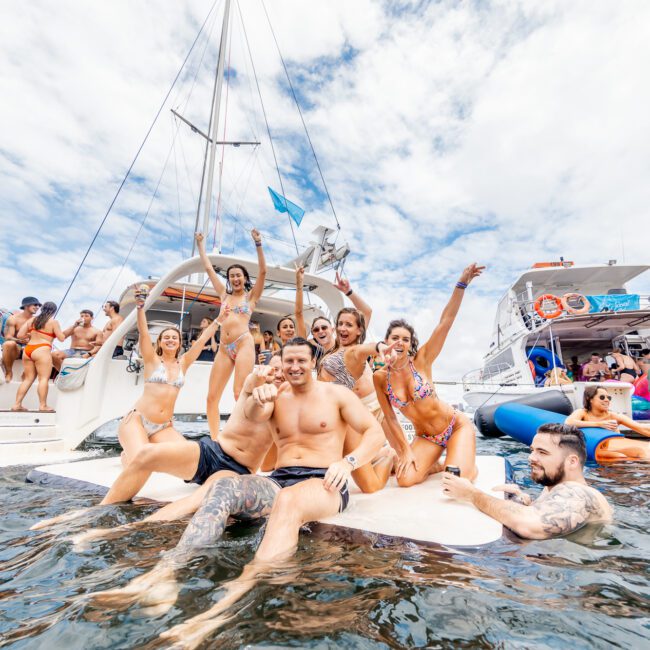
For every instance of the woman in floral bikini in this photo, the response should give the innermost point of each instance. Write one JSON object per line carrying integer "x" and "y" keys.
{"x": 405, "y": 383}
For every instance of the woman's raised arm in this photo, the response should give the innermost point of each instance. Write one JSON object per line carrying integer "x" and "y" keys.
{"x": 146, "y": 347}
{"x": 258, "y": 287}
{"x": 218, "y": 285}
{"x": 301, "y": 326}
{"x": 343, "y": 285}
{"x": 431, "y": 349}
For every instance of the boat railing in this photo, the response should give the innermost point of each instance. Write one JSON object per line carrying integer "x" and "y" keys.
{"x": 491, "y": 374}
{"x": 533, "y": 320}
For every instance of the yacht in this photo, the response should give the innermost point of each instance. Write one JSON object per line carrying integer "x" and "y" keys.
{"x": 553, "y": 312}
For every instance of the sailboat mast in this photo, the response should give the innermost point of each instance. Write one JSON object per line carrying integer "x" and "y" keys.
{"x": 208, "y": 170}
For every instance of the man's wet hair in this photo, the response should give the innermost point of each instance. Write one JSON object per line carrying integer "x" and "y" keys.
{"x": 114, "y": 305}
{"x": 89, "y": 312}
{"x": 567, "y": 436}
{"x": 298, "y": 340}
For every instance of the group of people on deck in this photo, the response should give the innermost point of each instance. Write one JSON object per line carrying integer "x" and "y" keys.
{"x": 28, "y": 334}
{"x": 320, "y": 413}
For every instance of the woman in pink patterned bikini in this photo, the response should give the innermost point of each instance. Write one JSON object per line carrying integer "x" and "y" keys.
{"x": 405, "y": 383}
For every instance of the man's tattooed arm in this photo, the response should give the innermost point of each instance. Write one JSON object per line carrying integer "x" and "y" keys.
{"x": 564, "y": 509}
{"x": 243, "y": 497}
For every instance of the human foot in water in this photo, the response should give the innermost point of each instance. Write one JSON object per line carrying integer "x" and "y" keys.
{"x": 154, "y": 592}
{"x": 67, "y": 516}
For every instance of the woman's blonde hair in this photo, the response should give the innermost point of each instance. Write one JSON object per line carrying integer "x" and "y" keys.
{"x": 169, "y": 329}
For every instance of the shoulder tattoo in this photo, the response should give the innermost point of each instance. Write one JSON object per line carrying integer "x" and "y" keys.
{"x": 567, "y": 508}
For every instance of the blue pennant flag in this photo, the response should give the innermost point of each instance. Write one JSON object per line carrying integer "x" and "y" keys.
{"x": 282, "y": 204}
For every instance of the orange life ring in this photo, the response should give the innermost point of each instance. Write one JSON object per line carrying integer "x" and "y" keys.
{"x": 572, "y": 310}
{"x": 545, "y": 314}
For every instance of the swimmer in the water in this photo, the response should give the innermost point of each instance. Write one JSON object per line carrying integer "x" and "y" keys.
{"x": 309, "y": 422}
{"x": 567, "y": 503}
{"x": 406, "y": 383}
{"x": 236, "y": 347}
{"x": 595, "y": 412}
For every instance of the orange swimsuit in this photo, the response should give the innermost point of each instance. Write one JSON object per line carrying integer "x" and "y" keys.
{"x": 29, "y": 349}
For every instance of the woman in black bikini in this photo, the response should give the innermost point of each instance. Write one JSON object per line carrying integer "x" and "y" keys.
{"x": 236, "y": 348}
{"x": 405, "y": 383}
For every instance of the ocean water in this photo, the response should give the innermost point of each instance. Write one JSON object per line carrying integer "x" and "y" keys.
{"x": 591, "y": 590}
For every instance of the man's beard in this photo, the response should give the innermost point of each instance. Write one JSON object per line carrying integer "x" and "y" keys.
{"x": 549, "y": 480}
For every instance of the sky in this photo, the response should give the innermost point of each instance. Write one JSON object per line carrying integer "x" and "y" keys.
{"x": 501, "y": 132}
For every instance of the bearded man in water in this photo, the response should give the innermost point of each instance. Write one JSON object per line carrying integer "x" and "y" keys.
{"x": 567, "y": 503}
{"x": 309, "y": 420}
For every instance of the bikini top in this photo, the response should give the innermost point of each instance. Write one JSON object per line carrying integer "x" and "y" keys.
{"x": 243, "y": 308}
{"x": 421, "y": 389}
{"x": 159, "y": 376}
{"x": 335, "y": 366}
{"x": 32, "y": 329}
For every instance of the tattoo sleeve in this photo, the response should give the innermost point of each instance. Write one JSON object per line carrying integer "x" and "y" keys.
{"x": 565, "y": 509}
{"x": 244, "y": 497}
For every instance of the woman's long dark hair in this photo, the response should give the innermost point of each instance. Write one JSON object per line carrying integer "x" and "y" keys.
{"x": 361, "y": 324}
{"x": 248, "y": 285}
{"x": 588, "y": 396}
{"x": 400, "y": 322}
{"x": 48, "y": 309}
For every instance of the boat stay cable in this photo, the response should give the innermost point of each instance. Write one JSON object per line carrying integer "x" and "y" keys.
{"x": 266, "y": 122}
{"x": 302, "y": 119}
{"x": 135, "y": 158}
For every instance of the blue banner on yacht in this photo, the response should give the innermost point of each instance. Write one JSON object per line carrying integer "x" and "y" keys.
{"x": 282, "y": 204}
{"x": 626, "y": 302}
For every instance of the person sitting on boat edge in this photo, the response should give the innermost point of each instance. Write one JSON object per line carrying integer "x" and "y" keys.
{"x": 236, "y": 347}
{"x": 12, "y": 345}
{"x": 596, "y": 369}
{"x": 42, "y": 329}
{"x": 242, "y": 447}
{"x": 83, "y": 340}
{"x": 567, "y": 503}
{"x": 595, "y": 413}
{"x": 405, "y": 382}
{"x": 112, "y": 309}
{"x": 151, "y": 419}
{"x": 308, "y": 421}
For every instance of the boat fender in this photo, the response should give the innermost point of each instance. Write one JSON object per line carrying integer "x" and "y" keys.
{"x": 584, "y": 309}
{"x": 542, "y": 312}
{"x": 521, "y": 423}
{"x": 550, "y": 400}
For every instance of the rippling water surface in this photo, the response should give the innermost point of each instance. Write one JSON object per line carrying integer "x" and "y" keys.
{"x": 589, "y": 591}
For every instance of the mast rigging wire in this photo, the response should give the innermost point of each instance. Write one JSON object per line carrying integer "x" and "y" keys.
{"x": 128, "y": 172}
{"x": 302, "y": 119}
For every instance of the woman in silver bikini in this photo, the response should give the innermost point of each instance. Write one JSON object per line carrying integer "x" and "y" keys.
{"x": 405, "y": 383}
{"x": 237, "y": 348}
{"x": 164, "y": 371}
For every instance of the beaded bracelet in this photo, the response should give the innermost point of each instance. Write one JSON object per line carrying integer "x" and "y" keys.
{"x": 349, "y": 293}
{"x": 461, "y": 285}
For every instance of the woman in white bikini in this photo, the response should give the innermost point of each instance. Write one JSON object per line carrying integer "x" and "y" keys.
{"x": 236, "y": 347}
{"x": 405, "y": 383}
{"x": 151, "y": 419}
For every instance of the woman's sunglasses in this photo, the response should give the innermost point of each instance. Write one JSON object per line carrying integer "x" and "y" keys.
{"x": 605, "y": 397}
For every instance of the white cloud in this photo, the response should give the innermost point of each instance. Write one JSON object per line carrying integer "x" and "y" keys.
{"x": 504, "y": 132}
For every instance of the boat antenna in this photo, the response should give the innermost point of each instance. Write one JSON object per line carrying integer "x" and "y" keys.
{"x": 302, "y": 119}
{"x": 135, "y": 158}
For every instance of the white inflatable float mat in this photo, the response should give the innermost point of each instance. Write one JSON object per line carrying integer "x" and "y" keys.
{"x": 420, "y": 513}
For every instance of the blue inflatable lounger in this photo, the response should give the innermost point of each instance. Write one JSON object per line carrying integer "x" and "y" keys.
{"x": 521, "y": 423}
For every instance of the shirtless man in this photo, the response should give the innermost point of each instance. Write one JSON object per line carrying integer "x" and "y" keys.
{"x": 567, "y": 503}
{"x": 309, "y": 421}
{"x": 12, "y": 347}
{"x": 112, "y": 310}
{"x": 241, "y": 448}
{"x": 596, "y": 369}
{"x": 83, "y": 335}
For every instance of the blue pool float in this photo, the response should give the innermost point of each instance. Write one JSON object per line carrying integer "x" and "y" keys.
{"x": 521, "y": 423}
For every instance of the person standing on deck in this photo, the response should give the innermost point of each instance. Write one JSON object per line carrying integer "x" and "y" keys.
{"x": 236, "y": 346}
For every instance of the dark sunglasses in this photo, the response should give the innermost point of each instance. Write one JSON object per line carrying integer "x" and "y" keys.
{"x": 605, "y": 397}
{"x": 320, "y": 329}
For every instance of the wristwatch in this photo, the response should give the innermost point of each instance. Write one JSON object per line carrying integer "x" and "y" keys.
{"x": 352, "y": 460}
